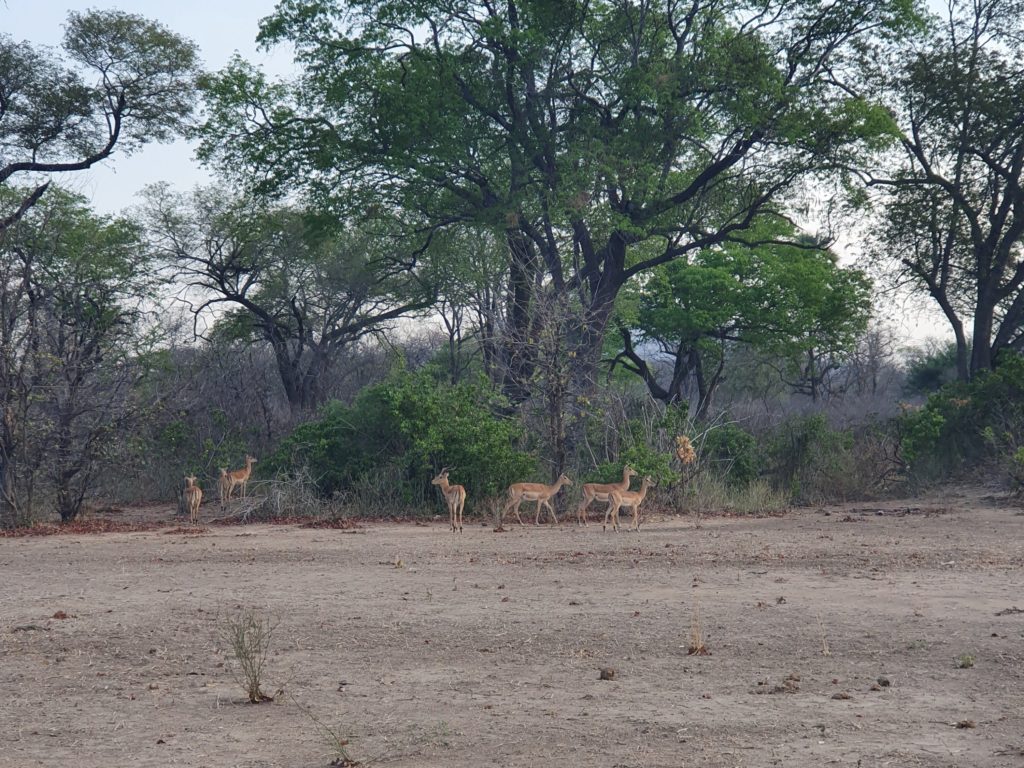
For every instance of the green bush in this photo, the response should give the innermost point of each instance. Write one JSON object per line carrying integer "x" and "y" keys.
{"x": 811, "y": 460}
{"x": 731, "y": 452}
{"x": 405, "y": 429}
{"x": 965, "y": 424}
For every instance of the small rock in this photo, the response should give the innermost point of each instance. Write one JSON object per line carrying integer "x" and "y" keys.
{"x": 842, "y": 696}
{"x": 607, "y": 673}
{"x": 884, "y": 681}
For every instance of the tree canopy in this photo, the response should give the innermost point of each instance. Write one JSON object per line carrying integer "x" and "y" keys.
{"x": 578, "y": 131}
{"x": 954, "y": 201}
{"x": 130, "y": 81}
{"x": 780, "y": 299}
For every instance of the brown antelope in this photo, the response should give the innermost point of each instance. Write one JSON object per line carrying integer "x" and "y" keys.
{"x": 520, "y": 492}
{"x": 454, "y": 497}
{"x": 602, "y": 492}
{"x": 193, "y": 498}
{"x": 627, "y": 499}
{"x": 236, "y": 477}
{"x": 223, "y": 486}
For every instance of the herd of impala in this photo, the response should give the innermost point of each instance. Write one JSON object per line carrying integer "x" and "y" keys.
{"x": 192, "y": 494}
{"x": 617, "y": 495}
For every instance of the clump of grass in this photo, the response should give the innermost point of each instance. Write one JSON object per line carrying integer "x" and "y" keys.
{"x": 709, "y": 493}
{"x": 825, "y": 650}
{"x": 964, "y": 661}
{"x": 247, "y": 634}
{"x": 697, "y": 646}
{"x": 337, "y": 743}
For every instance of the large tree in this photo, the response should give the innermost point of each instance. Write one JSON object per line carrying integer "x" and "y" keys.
{"x": 600, "y": 138}
{"x": 954, "y": 217}
{"x": 131, "y": 81}
{"x": 307, "y": 287}
{"x": 72, "y": 291}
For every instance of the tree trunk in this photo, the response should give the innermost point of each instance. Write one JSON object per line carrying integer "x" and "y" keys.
{"x": 981, "y": 343}
{"x": 519, "y": 352}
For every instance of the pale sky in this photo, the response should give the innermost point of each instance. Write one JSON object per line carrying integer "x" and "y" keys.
{"x": 220, "y": 28}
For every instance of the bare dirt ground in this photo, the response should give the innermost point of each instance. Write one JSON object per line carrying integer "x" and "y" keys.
{"x": 427, "y": 649}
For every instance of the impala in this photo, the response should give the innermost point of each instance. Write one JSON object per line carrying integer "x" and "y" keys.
{"x": 627, "y": 499}
{"x": 454, "y": 496}
{"x": 602, "y": 492}
{"x": 520, "y": 492}
{"x": 236, "y": 477}
{"x": 193, "y": 498}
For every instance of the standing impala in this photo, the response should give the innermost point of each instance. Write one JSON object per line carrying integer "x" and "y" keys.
{"x": 520, "y": 492}
{"x": 632, "y": 499}
{"x": 230, "y": 480}
{"x": 602, "y": 492}
{"x": 454, "y": 497}
{"x": 193, "y": 498}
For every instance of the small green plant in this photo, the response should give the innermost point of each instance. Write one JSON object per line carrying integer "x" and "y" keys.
{"x": 964, "y": 661}
{"x": 247, "y": 635}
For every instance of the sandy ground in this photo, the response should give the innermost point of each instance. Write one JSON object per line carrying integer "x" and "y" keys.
{"x": 427, "y": 649}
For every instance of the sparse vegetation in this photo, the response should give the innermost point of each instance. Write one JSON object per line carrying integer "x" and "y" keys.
{"x": 247, "y": 634}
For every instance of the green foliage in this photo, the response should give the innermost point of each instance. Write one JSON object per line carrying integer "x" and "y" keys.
{"x": 647, "y": 131}
{"x": 773, "y": 290}
{"x": 408, "y": 428}
{"x": 930, "y": 369}
{"x": 810, "y": 458}
{"x": 731, "y": 452}
{"x": 72, "y": 285}
{"x": 967, "y": 423}
{"x": 645, "y": 459}
{"x": 132, "y": 82}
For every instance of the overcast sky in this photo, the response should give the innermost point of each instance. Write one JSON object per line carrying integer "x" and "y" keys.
{"x": 218, "y": 27}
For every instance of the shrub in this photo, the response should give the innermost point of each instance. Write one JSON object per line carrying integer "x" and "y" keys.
{"x": 645, "y": 459}
{"x": 965, "y": 424}
{"x": 731, "y": 452}
{"x": 813, "y": 461}
{"x": 247, "y": 635}
{"x": 405, "y": 429}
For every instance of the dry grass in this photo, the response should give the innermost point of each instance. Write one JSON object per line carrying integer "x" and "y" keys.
{"x": 247, "y": 634}
{"x": 697, "y": 646}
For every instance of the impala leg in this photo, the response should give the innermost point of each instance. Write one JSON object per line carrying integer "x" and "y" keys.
{"x": 536, "y": 517}
{"x": 517, "y": 502}
{"x": 551, "y": 509}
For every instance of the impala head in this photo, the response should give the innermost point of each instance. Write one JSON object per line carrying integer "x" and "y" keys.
{"x": 190, "y": 481}
{"x": 649, "y": 482}
{"x": 442, "y": 477}
{"x": 563, "y": 480}
{"x": 628, "y": 471}
{"x": 250, "y": 459}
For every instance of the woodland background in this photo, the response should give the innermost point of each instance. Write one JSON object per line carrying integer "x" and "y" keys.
{"x": 519, "y": 239}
